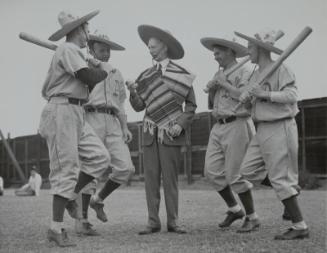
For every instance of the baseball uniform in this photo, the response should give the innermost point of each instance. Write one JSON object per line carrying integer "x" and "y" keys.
{"x": 72, "y": 143}
{"x": 274, "y": 148}
{"x": 230, "y": 136}
{"x": 106, "y": 101}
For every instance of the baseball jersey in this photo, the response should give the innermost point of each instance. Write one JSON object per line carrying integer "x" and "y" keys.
{"x": 61, "y": 80}
{"x": 282, "y": 104}
{"x": 223, "y": 102}
{"x": 110, "y": 92}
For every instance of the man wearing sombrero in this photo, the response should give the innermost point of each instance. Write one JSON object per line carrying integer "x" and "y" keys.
{"x": 161, "y": 90}
{"x": 105, "y": 112}
{"x": 73, "y": 145}
{"x": 233, "y": 131}
{"x": 274, "y": 148}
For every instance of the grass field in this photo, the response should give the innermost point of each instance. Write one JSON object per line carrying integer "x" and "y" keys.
{"x": 24, "y": 222}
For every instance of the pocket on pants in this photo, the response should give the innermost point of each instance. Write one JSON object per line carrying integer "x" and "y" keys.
{"x": 46, "y": 120}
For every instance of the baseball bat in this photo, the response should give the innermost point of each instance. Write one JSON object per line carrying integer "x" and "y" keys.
{"x": 230, "y": 71}
{"x": 286, "y": 53}
{"x": 32, "y": 39}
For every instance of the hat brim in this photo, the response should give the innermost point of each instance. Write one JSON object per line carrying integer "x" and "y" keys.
{"x": 175, "y": 49}
{"x": 211, "y": 42}
{"x": 67, "y": 28}
{"x": 259, "y": 43}
{"x": 112, "y": 45}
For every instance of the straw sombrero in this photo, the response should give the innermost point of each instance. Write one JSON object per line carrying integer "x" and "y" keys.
{"x": 175, "y": 49}
{"x": 211, "y": 42}
{"x": 68, "y": 23}
{"x": 105, "y": 39}
{"x": 265, "y": 39}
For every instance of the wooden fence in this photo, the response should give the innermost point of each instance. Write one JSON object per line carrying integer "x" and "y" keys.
{"x": 312, "y": 126}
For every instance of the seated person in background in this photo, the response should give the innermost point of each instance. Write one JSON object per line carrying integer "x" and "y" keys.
{"x": 33, "y": 186}
{"x": 1, "y": 186}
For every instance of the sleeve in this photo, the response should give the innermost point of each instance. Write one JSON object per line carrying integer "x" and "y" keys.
{"x": 286, "y": 96}
{"x": 189, "y": 110}
{"x": 122, "y": 89}
{"x": 287, "y": 90}
{"x": 91, "y": 76}
{"x": 72, "y": 60}
{"x": 122, "y": 92}
{"x": 136, "y": 101}
{"x": 245, "y": 77}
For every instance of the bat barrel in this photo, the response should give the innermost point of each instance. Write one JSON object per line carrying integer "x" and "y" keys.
{"x": 30, "y": 38}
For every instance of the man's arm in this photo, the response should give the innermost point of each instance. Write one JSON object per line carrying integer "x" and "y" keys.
{"x": 189, "y": 110}
{"x": 136, "y": 101}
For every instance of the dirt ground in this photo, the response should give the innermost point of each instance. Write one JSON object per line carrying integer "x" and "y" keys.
{"x": 24, "y": 222}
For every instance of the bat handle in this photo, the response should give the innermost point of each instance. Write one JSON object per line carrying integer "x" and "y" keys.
{"x": 234, "y": 110}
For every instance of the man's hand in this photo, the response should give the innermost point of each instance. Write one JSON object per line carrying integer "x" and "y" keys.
{"x": 131, "y": 86}
{"x": 245, "y": 97}
{"x": 221, "y": 78}
{"x": 175, "y": 130}
{"x": 258, "y": 92}
{"x": 127, "y": 136}
{"x": 94, "y": 62}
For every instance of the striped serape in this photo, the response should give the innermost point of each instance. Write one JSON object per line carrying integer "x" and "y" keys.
{"x": 164, "y": 96}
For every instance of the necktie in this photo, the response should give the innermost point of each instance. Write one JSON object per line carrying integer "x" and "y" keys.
{"x": 159, "y": 68}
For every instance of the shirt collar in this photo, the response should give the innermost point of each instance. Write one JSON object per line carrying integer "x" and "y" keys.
{"x": 164, "y": 63}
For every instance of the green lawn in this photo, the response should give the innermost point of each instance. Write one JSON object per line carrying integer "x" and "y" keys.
{"x": 24, "y": 222}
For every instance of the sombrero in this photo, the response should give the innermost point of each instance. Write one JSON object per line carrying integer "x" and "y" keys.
{"x": 105, "y": 39}
{"x": 265, "y": 39}
{"x": 211, "y": 42}
{"x": 68, "y": 23}
{"x": 175, "y": 49}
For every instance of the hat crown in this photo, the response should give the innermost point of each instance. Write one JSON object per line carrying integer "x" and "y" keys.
{"x": 267, "y": 36}
{"x": 101, "y": 35}
{"x": 65, "y": 18}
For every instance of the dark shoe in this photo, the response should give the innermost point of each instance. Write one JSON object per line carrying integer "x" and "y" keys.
{"x": 286, "y": 215}
{"x": 60, "y": 239}
{"x": 72, "y": 208}
{"x": 149, "y": 230}
{"x": 292, "y": 234}
{"x": 231, "y": 217}
{"x": 85, "y": 228}
{"x": 98, "y": 208}
{"x": 249, "y": 225}
{"x": 177, "y": 230}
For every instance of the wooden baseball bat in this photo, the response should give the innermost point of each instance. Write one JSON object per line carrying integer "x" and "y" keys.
{"x": 32, "y": 39}
{"x": 230, "y": 71}
{"x": 286, "y": 53}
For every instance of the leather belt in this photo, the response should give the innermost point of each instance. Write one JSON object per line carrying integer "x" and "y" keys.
{"x": 76, "y": 101}
{"x": 99, "y": 110}
{"x": 227, "y": 120}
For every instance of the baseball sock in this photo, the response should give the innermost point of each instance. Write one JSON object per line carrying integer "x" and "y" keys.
{"x": 293, "y": 209}
{"x": 228, "y": 196}
{"x": 235, "y": 209}
{"x": 299, "y": 225}
{"x": 85, "y": 205}
{"x": 58, "y": 209}
{"x": 108, "y": 188}
{"x": 247, "y": 201}
{"x": 83, "y": 179}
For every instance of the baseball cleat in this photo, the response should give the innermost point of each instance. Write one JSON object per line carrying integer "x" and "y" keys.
{"x": 249, "y": 225}
{"x": 292, "y": 234}
{"x": 98, "y": 208}
{"x": 61, "y": 239}
{"x": 231, "y": 217}
{"x": 85, "y": 228}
